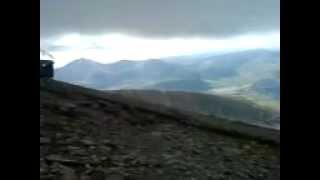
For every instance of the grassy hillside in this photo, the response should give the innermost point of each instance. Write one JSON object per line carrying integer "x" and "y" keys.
{"x": 230, "y": 108}
{"x": 194, "y": 85}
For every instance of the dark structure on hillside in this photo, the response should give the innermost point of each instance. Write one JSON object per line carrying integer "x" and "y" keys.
{"x": 46, "y": 69}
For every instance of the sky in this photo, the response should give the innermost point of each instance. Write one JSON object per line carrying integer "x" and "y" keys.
{"x": 107, "y": 31}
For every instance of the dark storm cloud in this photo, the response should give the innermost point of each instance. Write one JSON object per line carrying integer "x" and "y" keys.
{"x": 159, "y": 18}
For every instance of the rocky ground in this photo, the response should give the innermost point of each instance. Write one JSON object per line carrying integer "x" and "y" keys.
{"x": 88, "y": 138}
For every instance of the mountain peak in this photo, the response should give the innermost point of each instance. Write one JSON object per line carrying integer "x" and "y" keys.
{"x": 84, "y": 60}
{"x": 124, "y": 61}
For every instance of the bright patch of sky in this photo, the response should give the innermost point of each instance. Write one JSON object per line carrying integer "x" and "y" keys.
{"x": 114, "y": 47}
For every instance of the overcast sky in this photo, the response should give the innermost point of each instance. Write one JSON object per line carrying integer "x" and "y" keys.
{"x": 110, "y": 30}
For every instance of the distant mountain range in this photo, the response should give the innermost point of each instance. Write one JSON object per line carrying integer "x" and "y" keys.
{"x": 206, "y": 73}
{"x": 122, "y": 74}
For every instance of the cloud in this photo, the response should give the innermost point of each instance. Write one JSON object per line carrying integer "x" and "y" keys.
{"x": 113, "y": 47}
{"x": 159, "y": 18}
{"x": 45, "y": 54}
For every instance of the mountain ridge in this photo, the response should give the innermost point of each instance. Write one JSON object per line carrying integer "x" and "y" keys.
{"x": 206, "y": 104}
{"x": 221, "y": 67}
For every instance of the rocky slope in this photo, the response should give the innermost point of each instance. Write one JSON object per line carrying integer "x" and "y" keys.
{"x": 91, "y": 135}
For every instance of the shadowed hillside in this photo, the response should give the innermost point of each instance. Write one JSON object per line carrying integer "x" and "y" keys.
{"x": 230, "y": 108}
